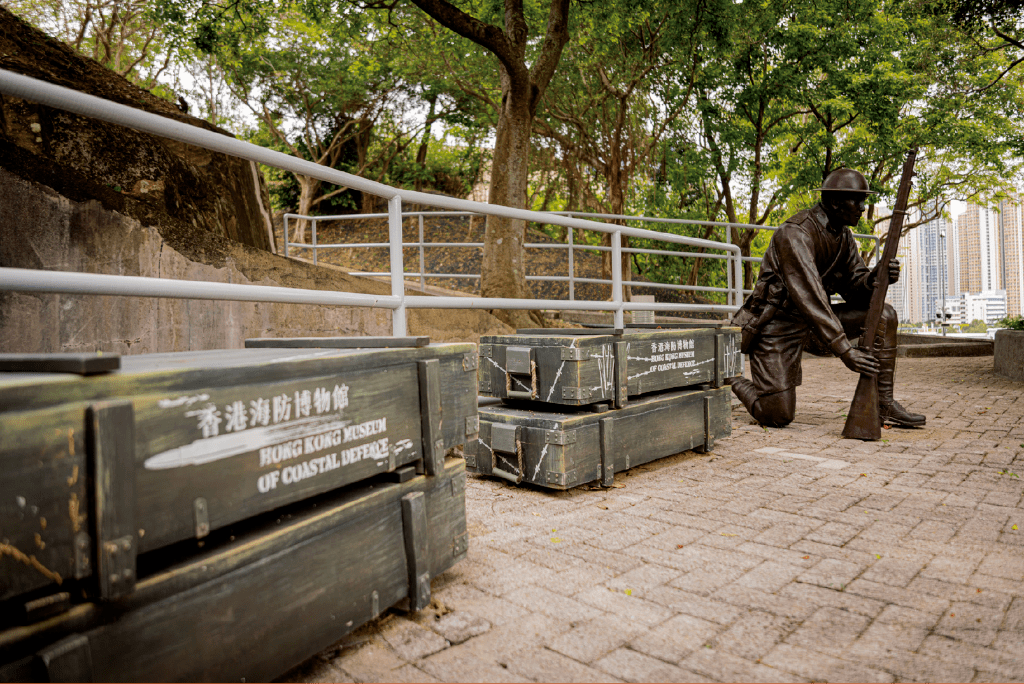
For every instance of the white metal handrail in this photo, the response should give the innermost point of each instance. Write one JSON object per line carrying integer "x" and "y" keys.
{"x": 571, "y": 279}
{"x": 90, "y": 106}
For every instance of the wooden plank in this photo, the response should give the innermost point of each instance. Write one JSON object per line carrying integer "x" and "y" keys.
{"x": 430, "y": 416}
{"x": 337, "y": 342}
{"x": 79, "y": 364}
{"x": 578, "y": 370}
{"x": 204, "y": 422}
{"x": 562, "y": 450}
{"x": 187, "y": 371}
{"x": 300, "y": 586}
{"x": 251, "y": 448}
{"x": 621, "y": 374}
{"x": 68, "y": 660}
{"x": 111, "y": 428}
{"x": 414, "y": 530}
{"x": 44, "y": 503}
{"x": 607, "y": 452}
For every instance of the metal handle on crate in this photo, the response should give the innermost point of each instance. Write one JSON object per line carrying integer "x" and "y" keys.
{"x": 505, "y": 475}
{"x": 505, "y": 439}
{"x": 519, "y": 394}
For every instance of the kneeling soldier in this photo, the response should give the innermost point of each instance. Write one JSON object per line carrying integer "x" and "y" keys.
{"x": 812, "y": 255}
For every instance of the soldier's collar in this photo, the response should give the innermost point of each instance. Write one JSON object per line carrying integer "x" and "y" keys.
{"x": 821, "y": 218}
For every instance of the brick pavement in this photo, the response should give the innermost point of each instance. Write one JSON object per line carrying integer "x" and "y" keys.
{"x": 784, "y": 555}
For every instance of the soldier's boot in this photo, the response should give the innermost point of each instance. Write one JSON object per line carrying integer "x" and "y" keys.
{"x": 773, "y": 410}
{"x": 889, "y": 410}
{"x": 745, "y": 391}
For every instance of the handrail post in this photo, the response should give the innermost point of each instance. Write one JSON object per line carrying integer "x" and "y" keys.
{"x": 398, "y": 327}
{"x": 739, "y": 279}
{"x": 730, "y": 298}
{"x": 617, "y": 278}
{"x": 314, "y": 241}
{"x": 286, "y": 235}
{"x": 572, "y": 269}
{"x": 423, "y": 282}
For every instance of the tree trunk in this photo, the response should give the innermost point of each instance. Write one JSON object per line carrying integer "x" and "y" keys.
{"x": 307, "y": 193}
{"x": 503, "y": 272}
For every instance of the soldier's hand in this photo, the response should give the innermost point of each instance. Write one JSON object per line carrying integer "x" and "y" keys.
{"x": 894, "y": 271}
{"x": 860, "y": 362}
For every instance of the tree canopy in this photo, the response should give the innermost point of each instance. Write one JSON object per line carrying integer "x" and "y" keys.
{"x": 700, "y": 109}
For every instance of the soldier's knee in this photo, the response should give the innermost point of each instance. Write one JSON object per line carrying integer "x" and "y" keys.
{"x": 776, "y": 410}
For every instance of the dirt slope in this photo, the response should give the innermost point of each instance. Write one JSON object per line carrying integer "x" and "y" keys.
{"x": 466, "y": 260}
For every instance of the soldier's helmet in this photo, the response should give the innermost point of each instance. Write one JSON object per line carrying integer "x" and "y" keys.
{"x": 846, "y": 180}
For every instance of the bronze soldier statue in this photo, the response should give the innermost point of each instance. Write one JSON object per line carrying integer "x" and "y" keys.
{"x": 811, "y": 256}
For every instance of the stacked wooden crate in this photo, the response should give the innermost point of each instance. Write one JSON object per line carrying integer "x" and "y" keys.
{"x": 579, "y": 405}
{"x": 223, "y": 515}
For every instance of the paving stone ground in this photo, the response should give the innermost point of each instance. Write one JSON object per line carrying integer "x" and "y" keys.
{"x": 785, "y": 555}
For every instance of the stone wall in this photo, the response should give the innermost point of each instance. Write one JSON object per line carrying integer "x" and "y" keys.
{"x": 42, "y": 229}
{"x": 1008, "y": 360}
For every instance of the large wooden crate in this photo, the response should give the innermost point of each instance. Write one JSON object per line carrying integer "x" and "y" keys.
{"x": 563, "y": 450}
{"x": 576, "y": 367}
{"x": 260, "y": 596}
{"x": 99, "y": 469}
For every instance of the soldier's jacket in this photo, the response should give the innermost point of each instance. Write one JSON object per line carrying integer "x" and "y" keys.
{"x": 808, "y": 260}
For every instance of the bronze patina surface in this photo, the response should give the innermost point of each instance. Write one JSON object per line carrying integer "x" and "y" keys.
{"x": 812, "y": 256}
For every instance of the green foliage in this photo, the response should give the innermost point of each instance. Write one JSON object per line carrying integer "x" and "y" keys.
{"x": 1011, "y": 323}
{"x": 975, "y": 326}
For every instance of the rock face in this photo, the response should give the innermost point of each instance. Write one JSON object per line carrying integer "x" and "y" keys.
{"x": 41, "y": 229}
{"x": 184, "y": 192}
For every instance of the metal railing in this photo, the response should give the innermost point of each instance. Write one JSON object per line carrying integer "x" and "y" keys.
{"x": 56, "y": 282}
{"x": 570, "y": 246}
{"x": 81, "y": 283}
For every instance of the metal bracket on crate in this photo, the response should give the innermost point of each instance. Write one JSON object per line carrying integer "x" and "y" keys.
{"x": 111, "y": 428}
{"x": 720, "y": 360}
{"x": 470, "y": 362}
{"x": 579, "y": 393}
{"x": 709, "y": 435}
{"x": 460, "y": 545}
{"x": 68, "y": 660}
{"x": 607, "y": 452}
{"x": 202, "y": 516}
{"x": 574, "y": 354}
{"x": 414, "y": 527}
{"x": 560, "y": 437}
{"x": 621, "y": 374}
{"x": 430, "y": 416}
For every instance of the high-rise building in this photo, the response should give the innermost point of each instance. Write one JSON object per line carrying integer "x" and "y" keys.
{"x": 1011, "y": 247}
{"x": 931, "y": 251}
{"x": 977, "y": 232}
{"x": 991, "y": 253}
{"x": 925, "y": 270}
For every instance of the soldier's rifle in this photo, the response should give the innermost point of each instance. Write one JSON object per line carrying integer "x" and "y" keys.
{"x": 862, "y": 421}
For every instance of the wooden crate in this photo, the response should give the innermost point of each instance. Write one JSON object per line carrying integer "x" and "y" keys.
{"x": 101, "y": 468}
{"x": 563, "y": 450}
{"x": 261, "y": 596}
{"x": 577, "y": 367}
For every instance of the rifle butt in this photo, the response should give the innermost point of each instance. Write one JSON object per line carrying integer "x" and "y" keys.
{"x": 862, "y": 421}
